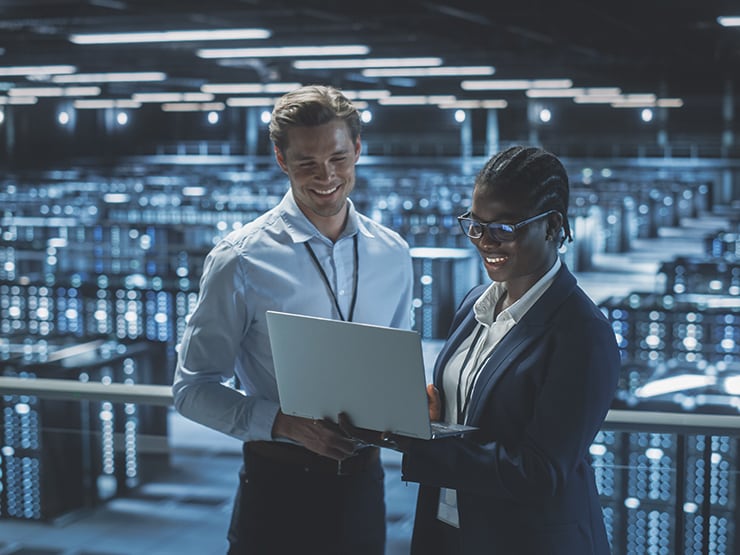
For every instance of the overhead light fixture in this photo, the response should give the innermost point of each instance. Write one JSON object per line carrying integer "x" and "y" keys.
{"x": 172, "y": 97}
{"x": 449, "y": 71}
{"x": 659, "y": 103}
{"x": 572, "y": 92}
{"x": 120, "y": 77}
{"x": 515, "y": 84}
{"x": 669, "y": 103}
{"x": 250, "y": 101}
{"x": 54, "y": 91}
{"x": 366, "y": 94}
{"x": 249, "y": 88}
{"x": 193, "y": 107}
{"x": 416, "y": 100}
{"x": 18, "y": 100}
{"x": 100, "y": 103}
{"x": 367, "y": 63}
{"x": 729, "y": 20}
{"x": 597, "y": 99}
{"x": 36, "y": 70}
{"x": 645, "y": 100}
{"x": 473, "y": 104}
{"x": 284, "y": 51}
{"x": 170, "y": 36}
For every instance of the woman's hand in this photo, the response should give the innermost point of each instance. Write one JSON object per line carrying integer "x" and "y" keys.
{"x": 435, "y": 403}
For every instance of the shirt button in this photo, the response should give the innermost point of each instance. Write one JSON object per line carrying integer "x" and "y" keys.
{"x": 341, "y": 291}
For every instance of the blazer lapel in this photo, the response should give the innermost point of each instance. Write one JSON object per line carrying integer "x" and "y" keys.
{"x": 520, "y": 336}
{"x": 528, "y": 330}
{"x": 452, "y": 344}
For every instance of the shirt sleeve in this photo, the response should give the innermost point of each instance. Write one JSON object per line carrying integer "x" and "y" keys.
{"x": 402, "y": 316}
{"x": 209, "y": 350}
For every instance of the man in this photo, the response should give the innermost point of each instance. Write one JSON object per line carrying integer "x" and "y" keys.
{"x": 311, "y": 254}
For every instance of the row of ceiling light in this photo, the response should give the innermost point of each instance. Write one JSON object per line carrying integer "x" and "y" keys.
{"x": 61, "y": 76}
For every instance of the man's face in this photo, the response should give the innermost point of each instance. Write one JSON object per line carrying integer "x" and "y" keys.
{"x": 320, "y": 163}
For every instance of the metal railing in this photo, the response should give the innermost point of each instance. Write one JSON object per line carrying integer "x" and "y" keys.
{"x": 161, "y": 395}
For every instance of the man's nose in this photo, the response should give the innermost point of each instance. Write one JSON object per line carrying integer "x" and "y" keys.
{"x": 325, "y": 171}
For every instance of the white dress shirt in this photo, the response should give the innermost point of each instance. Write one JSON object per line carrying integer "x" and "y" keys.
{"x": 263, "y": 266}
{"x": 493, "y": 331}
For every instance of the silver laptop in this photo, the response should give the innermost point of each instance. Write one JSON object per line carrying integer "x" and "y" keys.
{"x": 375, "y": 374}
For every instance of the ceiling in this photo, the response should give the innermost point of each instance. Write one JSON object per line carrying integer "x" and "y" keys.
{"x": 670, "y": 48}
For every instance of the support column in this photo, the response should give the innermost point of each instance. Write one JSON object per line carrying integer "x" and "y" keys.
{"x": 251, "y": 136}
{"x": 661, "y": 116}
{"x": 466, "y": 142}
{"x": 9, "y": 123}
{"x": 533, "y": 110}
{"x": 728, "y": 116}
{"x": 492, "y": 132}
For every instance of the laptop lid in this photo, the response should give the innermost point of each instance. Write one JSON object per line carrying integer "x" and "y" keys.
{"x": 375, "y": 374}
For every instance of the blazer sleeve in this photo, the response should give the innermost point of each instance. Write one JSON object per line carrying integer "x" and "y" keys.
{"x": 578, "y": 383}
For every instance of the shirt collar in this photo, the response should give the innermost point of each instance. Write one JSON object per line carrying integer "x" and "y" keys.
{"x": 486, "y": 304}
{"x": 301, "y": 229}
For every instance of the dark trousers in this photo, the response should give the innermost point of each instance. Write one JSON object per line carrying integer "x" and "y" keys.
{"x": 285, "y": 508}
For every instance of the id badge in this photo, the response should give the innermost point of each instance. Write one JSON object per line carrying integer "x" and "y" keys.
{"x": 447, "y": 509}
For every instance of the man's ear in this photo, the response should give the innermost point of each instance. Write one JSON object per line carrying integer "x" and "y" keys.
{"x": 358, "y": 148}
{"x": 280, "y": 158}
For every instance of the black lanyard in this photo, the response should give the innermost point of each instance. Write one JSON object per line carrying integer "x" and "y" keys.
{"x": 462, "y": 407}
{"x": 328, "y": 285}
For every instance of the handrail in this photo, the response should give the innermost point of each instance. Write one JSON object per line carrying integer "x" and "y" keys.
{"x": 161, "y": 395}
{"x": 72, "y": 390}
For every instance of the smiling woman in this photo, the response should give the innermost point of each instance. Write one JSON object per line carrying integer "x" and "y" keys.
{"x": 532, "y": 363}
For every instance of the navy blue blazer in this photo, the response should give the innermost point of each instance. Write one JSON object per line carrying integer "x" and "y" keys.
{"x": 524, "y": 480}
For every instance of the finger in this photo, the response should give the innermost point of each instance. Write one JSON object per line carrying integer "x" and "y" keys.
{"x": 435, "y": 402}
{"x": 396, "y": 442}
{"x": 366, "y": 436}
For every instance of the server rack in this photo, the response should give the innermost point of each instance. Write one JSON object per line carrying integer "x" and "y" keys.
{"x": 57, "y": 457}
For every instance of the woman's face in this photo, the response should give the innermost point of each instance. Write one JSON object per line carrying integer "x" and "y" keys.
{"x": 524, "y": 260}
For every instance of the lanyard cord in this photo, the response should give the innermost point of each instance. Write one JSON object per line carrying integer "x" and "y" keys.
{"x": 462, "y": 407}
{"x": 328, "y": 285}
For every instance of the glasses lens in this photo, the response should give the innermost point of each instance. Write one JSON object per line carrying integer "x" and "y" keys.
{"x": 500, "y": 233}
{"x": 473, "y": 229}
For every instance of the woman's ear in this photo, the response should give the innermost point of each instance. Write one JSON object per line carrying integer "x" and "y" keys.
{"x": 554, "y": 226}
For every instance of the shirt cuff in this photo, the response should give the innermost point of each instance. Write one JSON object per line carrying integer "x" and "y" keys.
{"x": 262, "y": 419}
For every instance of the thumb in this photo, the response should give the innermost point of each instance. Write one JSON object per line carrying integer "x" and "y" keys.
{"x": 435, "y": 403}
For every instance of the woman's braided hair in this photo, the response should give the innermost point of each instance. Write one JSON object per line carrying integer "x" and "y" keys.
{"x": 529, "y": 177}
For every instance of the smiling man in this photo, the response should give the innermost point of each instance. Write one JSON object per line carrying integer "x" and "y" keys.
{"x": 305, "y": 487}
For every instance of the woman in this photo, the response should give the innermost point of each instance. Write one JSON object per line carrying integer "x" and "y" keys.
{"x": 532, "y": 363}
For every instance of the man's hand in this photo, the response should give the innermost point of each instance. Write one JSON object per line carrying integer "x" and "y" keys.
{"x": 369, "y": 437}
{"x": 320, "y": 436}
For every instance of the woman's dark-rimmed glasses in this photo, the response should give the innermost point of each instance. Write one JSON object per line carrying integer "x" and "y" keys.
{"x": 496, "y": 231}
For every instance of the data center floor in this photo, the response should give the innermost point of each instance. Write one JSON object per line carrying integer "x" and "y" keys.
{"x": 186, "y": 511}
